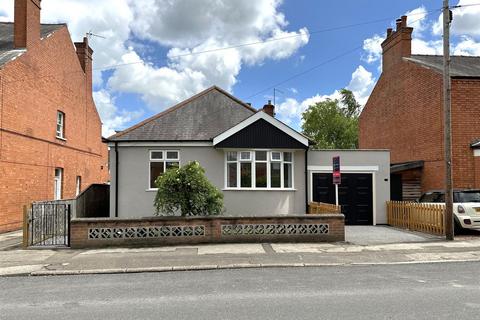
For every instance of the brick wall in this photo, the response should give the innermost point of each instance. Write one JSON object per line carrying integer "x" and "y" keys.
{"x": 142, "y": 231}
{"x": 477, "y": 172}
{"x": 47, "y": 78}
{"x": 405, "y": 114}
{"x": 465, "y": 129}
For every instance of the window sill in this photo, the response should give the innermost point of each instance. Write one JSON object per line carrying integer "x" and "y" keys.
{"x": 61, "y": 138}
{"x": 259, "y": 189}
{"x": 151, "y": 190}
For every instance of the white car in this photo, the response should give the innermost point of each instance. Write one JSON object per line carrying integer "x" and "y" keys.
{"x": 466, "y": 206}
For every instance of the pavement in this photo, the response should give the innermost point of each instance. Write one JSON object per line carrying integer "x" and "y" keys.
{"x": 372, "y": 245}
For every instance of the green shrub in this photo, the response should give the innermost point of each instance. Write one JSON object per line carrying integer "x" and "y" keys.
{"x": 187, "y": 191}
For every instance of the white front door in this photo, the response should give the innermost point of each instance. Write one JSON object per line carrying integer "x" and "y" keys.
{"x": 57, "y": 184}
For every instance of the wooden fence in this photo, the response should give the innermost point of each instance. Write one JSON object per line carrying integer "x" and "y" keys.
{"x": 428, "y": 218}
{"x": 320, "y": 207}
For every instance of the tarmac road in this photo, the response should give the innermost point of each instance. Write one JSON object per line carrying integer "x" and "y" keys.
{"x": 414, "y": 291}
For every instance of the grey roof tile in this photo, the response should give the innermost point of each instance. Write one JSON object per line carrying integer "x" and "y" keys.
{"x": 7, "y": 51}
{"x": 460, "y": 66}
{"x": 199, "y": 118}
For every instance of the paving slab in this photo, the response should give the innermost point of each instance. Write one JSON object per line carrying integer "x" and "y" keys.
{"x": 371, "y": 235}
{"x": 11, "y": 239}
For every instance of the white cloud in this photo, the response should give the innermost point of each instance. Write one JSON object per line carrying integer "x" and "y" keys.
{"x": 183, "y": 26}
{"x": 361, "y": 84}
{"x": 466, "y": 20}
{"x": 112, "y": 117}
{"x": 416, "y": 19}
{"x": 373, "y": 48}
{"x": 420, "y": 46}
{"x": 178, "y": 24}
{"x": 186, "y": 23}
{"x": 157, "y": 86}
{"x": 467, "y": 47}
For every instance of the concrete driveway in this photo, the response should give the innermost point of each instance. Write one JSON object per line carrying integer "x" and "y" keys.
{"x": 372, "y": 235}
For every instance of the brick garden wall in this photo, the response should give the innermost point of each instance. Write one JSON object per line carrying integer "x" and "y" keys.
{"x": 47, "y": 78}
{"x": 104, "y": 232}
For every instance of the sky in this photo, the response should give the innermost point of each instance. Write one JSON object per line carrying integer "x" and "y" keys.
{"x": 153, "y": 54}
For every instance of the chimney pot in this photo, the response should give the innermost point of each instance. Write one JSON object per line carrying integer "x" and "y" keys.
{"x": 269, "y": 108}
{"x": 389, "y": 32}
{"x": 397, "y": 45}
{"x": 399, "y": 24}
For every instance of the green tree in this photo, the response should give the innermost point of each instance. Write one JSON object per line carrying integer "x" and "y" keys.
{"x": 187, "y": 191}
{"x": 333, "y": 124}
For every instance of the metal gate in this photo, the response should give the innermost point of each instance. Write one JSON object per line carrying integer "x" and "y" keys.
{"x": 49, "y": 224}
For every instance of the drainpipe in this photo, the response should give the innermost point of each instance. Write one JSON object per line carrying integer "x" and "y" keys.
{"x": 306, "y": 180}
{"x": 116, "y": 179}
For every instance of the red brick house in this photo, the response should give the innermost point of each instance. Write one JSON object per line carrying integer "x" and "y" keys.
{"x": 405, "y": 114}
{"x": 50, "y": 131}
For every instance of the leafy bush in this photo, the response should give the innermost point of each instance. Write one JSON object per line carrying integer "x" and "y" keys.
{"x": 187, "y": 191}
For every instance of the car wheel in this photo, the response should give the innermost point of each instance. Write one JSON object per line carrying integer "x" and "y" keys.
{"x": 458, "y": 228}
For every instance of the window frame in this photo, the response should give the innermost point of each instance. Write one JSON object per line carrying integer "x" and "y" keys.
{"x": 164, "y": 160}
{"x": 60, "y": 134}
{"x": 253, "y": 162}
{"x": 78, "y": 185}
{"x": 58, "y": 179}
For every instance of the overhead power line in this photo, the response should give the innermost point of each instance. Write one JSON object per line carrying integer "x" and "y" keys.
{"x": 322, "y": 63}
{"x": 260, "y": 42}
{"x": 305, "y": 71}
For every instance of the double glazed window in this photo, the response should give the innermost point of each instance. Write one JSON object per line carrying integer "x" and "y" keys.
{"x": 60, "y": 125}
{"x": 161, "y": 161}
{"x": 259, "y": 169}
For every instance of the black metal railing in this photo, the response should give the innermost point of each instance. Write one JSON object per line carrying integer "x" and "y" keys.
{"x": 49, "y": 224}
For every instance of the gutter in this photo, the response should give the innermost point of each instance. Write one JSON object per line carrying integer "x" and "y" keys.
{"x": 116, "y": 179}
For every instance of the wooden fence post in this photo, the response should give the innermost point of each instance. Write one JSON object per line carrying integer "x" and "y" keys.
{"x": 25, "y": 226}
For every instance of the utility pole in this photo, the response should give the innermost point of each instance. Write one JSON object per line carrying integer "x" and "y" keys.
{"x": 447, "y": 122}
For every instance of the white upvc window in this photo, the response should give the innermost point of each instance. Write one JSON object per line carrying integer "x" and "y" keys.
{"x": 60, "y": 125}
{"x": 159, "y": 162}
{"x": 258, "y": 169}
{"x": 78, "y": 185}
{"x": 58, "y": 184}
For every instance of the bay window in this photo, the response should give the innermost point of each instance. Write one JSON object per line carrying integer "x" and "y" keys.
{"x": 161, "y": 161}
{"x": 259, "y": 169}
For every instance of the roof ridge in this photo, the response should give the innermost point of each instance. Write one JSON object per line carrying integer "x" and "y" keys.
{"x": 178, "y": 106}
{"x": 439, "y": 55}
{"x": 42, "y": 24}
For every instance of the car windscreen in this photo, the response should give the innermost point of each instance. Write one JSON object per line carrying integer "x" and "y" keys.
{"x": 435, "y": 197}
{"x": 466, "y": 196}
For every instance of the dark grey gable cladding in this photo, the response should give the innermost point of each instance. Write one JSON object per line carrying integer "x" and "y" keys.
{"x": 199, "y": 118}
{"x": 261, "y": 134}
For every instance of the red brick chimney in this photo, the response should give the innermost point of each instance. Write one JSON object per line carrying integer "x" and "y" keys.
{"x": 26, "y": 27}
{"x": 269, "y": 108}
{"x": 84, "y": 54}
{"x": 397, "y": 45}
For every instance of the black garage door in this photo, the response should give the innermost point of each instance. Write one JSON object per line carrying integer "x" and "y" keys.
{"x": 354, "y": 195}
